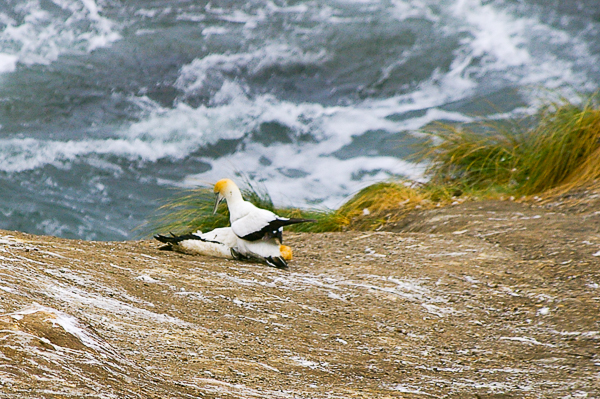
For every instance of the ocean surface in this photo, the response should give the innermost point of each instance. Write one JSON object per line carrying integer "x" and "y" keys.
{"x": 107, "y": 106}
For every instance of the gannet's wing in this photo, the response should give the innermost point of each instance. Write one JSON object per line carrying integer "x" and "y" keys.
{"x": 262, "y": 224}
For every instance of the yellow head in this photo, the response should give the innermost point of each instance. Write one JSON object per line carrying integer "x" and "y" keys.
{"x": 226, "y": 189}
{"x": 221, "y": 186}
{"x": 286, "y": 252}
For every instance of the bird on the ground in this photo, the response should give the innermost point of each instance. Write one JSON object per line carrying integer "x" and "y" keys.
{"x": 220, "y": 242}
{"x": 259, "y": 231}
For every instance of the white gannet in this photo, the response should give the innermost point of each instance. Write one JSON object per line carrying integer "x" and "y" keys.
{"x": 220, "y": 242}
{"x": 259, "y": 231}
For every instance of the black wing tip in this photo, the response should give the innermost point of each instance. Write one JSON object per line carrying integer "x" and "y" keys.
{"x": 273, "y": 229}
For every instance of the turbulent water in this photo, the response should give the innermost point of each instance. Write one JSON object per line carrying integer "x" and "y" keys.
{"x": 106, "y": 105}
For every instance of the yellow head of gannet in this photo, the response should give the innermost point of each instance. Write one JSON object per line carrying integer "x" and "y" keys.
{"x": 228, "y": 190}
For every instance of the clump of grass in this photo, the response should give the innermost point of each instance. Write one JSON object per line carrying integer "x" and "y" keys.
{"x": 369, "y": 209}
{"x": 376, "y": 206}
{"x": 466, "y": 160}
{"x": 560, "y": 152}
{"x": 563, "y": 151}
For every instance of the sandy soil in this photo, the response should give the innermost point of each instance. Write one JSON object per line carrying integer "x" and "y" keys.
{"x": 478, "y": 300}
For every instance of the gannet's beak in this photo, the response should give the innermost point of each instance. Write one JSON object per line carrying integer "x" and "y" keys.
{"x": 218, "y": 199}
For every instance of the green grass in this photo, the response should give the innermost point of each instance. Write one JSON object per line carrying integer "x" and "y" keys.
{"x": 561, "y": 151}
{"x": 558, "y": 152}
{"x": 466, "y": 160}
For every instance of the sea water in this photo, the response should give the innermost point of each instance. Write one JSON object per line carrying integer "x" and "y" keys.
{"x": 107, "y": 106}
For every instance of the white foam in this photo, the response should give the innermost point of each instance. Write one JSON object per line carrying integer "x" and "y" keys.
{"x": 41, "y": 36}
{"x": 19, "y": 154}
{"x": 496, "y": 34}
{"x": 214, "y": 30}
{"x": 8, "y": 62}
{"x": 403, "y": 10}
{"x": 328, "y": 181}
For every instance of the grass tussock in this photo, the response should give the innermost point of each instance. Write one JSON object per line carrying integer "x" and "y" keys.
{"x": 558, "y": 152}
{"x": 561, "y": 152}
{"x": 465, "y": 160}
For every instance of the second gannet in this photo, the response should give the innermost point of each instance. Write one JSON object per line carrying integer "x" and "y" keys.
{"x": 221, "y": 243}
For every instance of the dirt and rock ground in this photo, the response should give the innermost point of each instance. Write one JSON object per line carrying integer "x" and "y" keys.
{"x": 491, "y": 299}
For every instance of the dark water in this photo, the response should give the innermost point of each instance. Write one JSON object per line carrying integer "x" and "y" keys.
{"x": 106, "y": 106}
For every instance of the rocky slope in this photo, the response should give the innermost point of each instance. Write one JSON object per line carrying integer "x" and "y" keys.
{"x": 482, "y": 299}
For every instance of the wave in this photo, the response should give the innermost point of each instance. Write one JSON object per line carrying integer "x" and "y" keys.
{"x": 215, "y": 69}
{"x": 22, "y": 154}
{"x": 518, "y": 49}
{"x": 283, "y": 142}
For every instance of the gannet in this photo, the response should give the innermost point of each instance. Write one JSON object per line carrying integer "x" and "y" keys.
{"x": 259, "y": 231}
{"x": 220, "y": 242}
